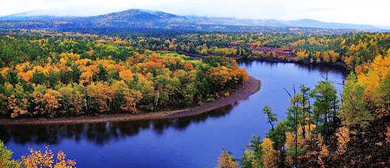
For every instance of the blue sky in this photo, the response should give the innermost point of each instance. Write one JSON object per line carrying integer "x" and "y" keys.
{"x": 372, "y": 12}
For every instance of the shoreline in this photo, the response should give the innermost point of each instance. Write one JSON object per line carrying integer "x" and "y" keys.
{"x": 242, "y": 93}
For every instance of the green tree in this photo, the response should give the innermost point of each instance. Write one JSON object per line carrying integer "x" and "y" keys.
{"x": 278, "y": 136}
{"x": 294, "y": 119}
{"x": 254, "y": 156}
{"x": 272, "y": 117}
{"x": 305, "y": 108}
{"x": 103, "y": 74}
{"x": 325, "y": 106}
{"x": 5, "y": 157}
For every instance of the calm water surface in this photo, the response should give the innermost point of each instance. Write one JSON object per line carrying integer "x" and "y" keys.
{"x": 186, "y": 142}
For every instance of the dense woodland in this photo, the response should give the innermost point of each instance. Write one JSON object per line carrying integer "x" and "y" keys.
{"x": 346, "y": 50}
{"x": 57, "y": 74}
{"x": 351, "y": 50}
{"x": 49, "y": 77}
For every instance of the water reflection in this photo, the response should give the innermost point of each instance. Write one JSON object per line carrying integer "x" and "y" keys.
{"x": 303, "y": 67}
{"x": 99, "y": 133}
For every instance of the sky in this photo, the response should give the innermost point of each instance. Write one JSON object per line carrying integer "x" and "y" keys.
{"x": 373, "y": 12}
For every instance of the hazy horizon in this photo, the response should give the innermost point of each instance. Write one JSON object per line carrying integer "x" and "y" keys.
{"x": 347, "y": 11}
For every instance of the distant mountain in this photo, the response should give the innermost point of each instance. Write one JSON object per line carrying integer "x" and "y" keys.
{"x": 234, "y": 21}
{"x": 324, "y": 25}
{"x": 135, "y": 15}
{"x": 29, "y": 17}
{"x": 276, "y": 23}
{"x": 135, "y": 18}
{"x": 132, "y": 15}
{"x": 138, "y": 18}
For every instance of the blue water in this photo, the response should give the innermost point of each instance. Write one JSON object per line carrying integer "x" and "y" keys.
{"x": 186, "y": 142}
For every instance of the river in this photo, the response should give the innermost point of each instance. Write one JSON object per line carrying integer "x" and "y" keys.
{"x": 187, "y": 142}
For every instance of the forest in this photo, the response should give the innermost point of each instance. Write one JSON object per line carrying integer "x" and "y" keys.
{"x": 45, "y": 74}
{"x": 347, "y": 50}
{"x": 353, "y": 50}
{"x": 48, "y": 77}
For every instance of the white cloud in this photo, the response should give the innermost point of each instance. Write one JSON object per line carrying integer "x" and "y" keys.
{"x": 346, "y": 11}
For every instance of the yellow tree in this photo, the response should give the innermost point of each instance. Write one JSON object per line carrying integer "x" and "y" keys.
{"x": 333, "y": 56}
{"x": 17, "y": 100}
{"x": 301, "y": 54}
{"x": 38, "y": 159}
{"x": 100, "y": 96}
{"x": 86, "y": 77}
{"x": 225, "y": 160}
{"x": 73, "y": 98}
{"x": 26, "y": 76}
{"x": 126, "y": 75}
{"x": 125, "y": 97}
{"x": 51, "y": 99}
{"x": 270, "y": 155}
{"x": 4, "y": 72}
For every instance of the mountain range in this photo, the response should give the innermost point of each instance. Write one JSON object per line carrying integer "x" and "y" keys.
{"x": 138, "y": 18}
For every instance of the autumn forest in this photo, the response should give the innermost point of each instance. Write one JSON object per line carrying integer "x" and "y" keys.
{"x": 54, "y": 74}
